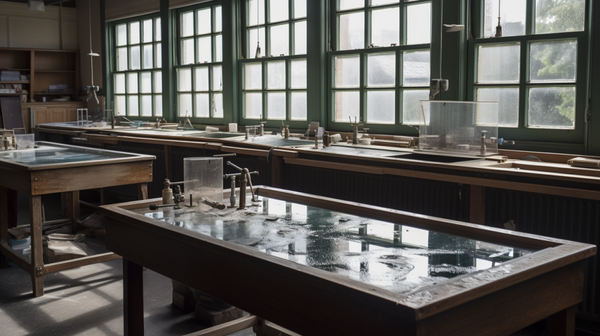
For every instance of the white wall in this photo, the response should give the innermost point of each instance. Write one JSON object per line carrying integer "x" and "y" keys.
{"x": 22, "y": 28}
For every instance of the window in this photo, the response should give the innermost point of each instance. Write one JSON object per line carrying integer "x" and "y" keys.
{"x": 136, "y": 71}
{"x": 534, "y": 68}
{"x": 274, "y": 70}
{"x": 200, "y": 73}
{"x": 381, "y": 60}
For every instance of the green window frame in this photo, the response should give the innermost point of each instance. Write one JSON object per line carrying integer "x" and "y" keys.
{"x": 380, "y": 63}
{"x": 273, "y": 66}
{"x": 136, "y": 71}
{"x": 537, "y": 70}
{"x": 199, "y": 75}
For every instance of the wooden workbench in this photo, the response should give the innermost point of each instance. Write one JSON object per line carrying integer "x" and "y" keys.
{"x": 57, "y": 168}
{"x": 548, "y": 282}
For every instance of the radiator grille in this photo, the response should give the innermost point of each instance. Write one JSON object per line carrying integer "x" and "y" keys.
{"x": 560, "y": 217}
{"x": 447, "y": 200}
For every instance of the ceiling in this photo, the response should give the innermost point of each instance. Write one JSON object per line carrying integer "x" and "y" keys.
{"x": 65, "y": 3}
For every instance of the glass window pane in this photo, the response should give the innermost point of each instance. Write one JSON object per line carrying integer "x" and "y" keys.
{"x": 218, "y": 19}
{"x": 253, "y": 105}
{"x": 382, "y": 2}
{"x": 351, "y": 31}
{"x": 347, "y": 105}
{"x": 498, "y": 64}
{"x": 217, "y": 105}
{"x": 219, "y": 48}
{"x": 347, "y": 71}
{"x": 349, "y": 4}
{"x": 121, "y": 35}
{"x": 299, "y": 9}
{"x": 217, "y": 78}
{"x": 204, "y": 49}
{"x": 385, "y": 26}
{"x": 134, "y": 54}
{"x": 411, "y": 106}
{"x": 381, "y": 107}
{"x": 158, "y": 106}
{"x": 187, "y": 24}
{"x": 416, "y": 68}
{"x": 184, "y": 77}
{"x": 157, "y": 28}
{"x": 298, "y": 73}
{"x": 134, "y": 33}
{"x": 256, "y": 15}
{"x": 204, "y": 21}
{"x": 157, "y": 82}
{"x": 120, "y": 105}
{"x": 508, "y": 104}
{"x": 148, "y": 53}
{"x": 418, "y": 24}
{"x": 280, "y": 40}
{"x": 185, "y": 105}
{"x": 553, "y": 61}
{"x": 119, "y": 83}
{"x": 187, "y": 52}
{"x": 201, "y": 79}
{"x": 133, "y": 106}
{"x": 276, "y": 105}
{"x": 146, "y": 82}
{"x": 132, "y": 83}
{"x": 158, "y": 55}
{"x": 252, "y": 76}
{"x": 551, "y": 108}
{"x": 253, "y": 38}
{"x": 276, "y": 75}
{"x": 512, "y": 17}
{"x": 298, "y": 106}
{"x": 278, "y": 10}
{"x": 146, "y": 107}
{"x": 559, "y": 16}
{"x": 202, "y": 105}
{"x": 147, "y": 30}
{"x": 381, "y": 69}
{"x": 300, "y": 38}
{"x": 122, "y": 59}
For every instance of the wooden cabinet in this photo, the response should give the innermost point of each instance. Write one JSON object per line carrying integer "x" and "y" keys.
{"x": 49, "y": 112}
{"x": 51, "y": 74}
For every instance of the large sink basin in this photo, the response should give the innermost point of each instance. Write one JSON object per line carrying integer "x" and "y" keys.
{"x": 215, "y": 135}
{"x": 277, "y": 141}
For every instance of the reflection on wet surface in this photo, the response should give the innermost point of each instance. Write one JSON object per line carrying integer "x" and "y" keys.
{"x": 47, "y": 154}
{"x": 395, "y": 257}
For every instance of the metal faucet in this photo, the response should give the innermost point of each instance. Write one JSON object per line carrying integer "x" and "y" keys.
{"x": 158, "y": 120}
{"x": 355, "y": 127}
{"x": 244, "y": 175}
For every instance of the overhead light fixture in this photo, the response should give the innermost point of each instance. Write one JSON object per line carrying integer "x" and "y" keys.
{"x": 36, "y": 6}
{"x": 451, "y": 28}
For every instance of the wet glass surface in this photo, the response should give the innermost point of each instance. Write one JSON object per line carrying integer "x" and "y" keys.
{"x": 392, "y": 256}
{"x": 48, "y": 154}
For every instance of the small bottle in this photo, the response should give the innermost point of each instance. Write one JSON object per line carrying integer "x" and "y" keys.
{"x": 286, "y": 132}
{"x": 167, "y": 193}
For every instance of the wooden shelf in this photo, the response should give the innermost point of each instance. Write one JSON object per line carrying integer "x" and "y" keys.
{"x": 15, "y": 82}
{"x": 12, "y": 94}
{"x": 54, "y": 71}
{"x": 54, "y": 93}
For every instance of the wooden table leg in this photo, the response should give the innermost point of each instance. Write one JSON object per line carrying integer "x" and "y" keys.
{"x": 4, "y": 208}
{"x": 143, "y": 191}
{"x": 70, "y": 207}
{"x": 562, "y": 323}
{"x": 37, "y": 248}
{"x": 133, "y": 298}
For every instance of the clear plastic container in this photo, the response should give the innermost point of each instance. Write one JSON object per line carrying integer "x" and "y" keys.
{"x": 25, "y": 141}
{"x": 203, "y": 179}
{"x": 459, "y": 127}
